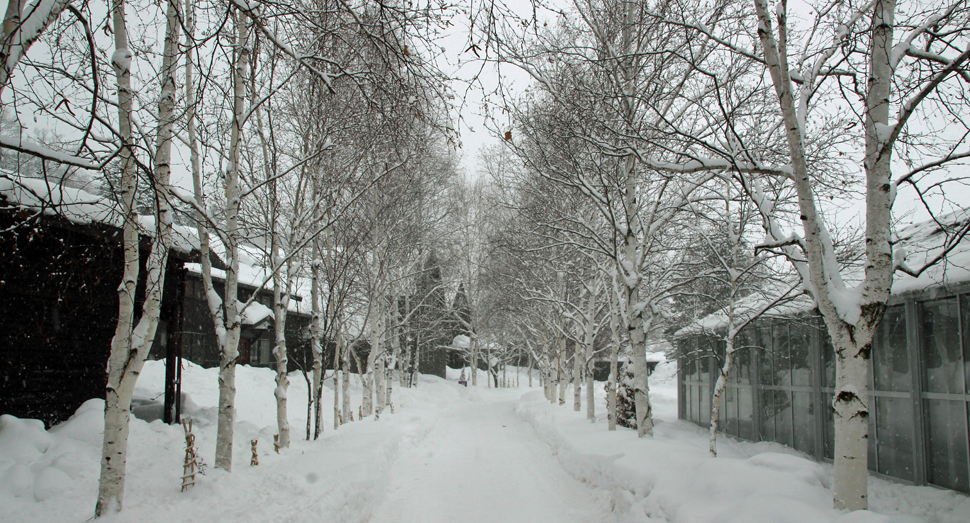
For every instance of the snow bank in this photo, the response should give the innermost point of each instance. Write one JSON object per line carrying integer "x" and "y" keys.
{"x": 672, "y": 477}
{"x": 343, "y": 477}
{"x": 53, "y": 475}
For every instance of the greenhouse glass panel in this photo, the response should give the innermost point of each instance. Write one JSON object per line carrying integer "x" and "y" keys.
{"x": 943, "y": 369}
{"x": 767, "y": 416}
{"x": 742, "y": 360}
{"x": 687, "y": 396}
{"x": 890, "y": 357}
{"x": 828, "y": 359}
{"x": 804, "y": 412}
{"x": 691, "y": 408}
{"x": 828, "y": 425}
{"x": 730, "y": 415}
{"x": 801, "y": 361}
{"x": 946, "y": 428}
{"x": 705, "y": 371}
{"x": 781, "y": 355}
{"x": 783, "y": 417}
{"x": 705, "y": 405}
{"x": 765, "y": 368}
{"x": 873, "y": 436}
{"x": 746, "y": 428}
{"x": 894, "y": 423}
{"x": 965, "y": 315}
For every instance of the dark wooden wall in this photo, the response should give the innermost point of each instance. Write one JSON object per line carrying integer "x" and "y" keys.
{"x": 58, "y": 309}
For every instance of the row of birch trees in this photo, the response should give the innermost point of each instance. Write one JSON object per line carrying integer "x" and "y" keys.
{"x": 308, "y": 139}
{"x": 668, "y": 145}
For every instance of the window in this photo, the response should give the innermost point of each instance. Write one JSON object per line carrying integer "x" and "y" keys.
{"x": 943, "y": 369}
{"x": 944, "y": 404}
{"x": 781, "y": 374}
{"x": 894, "y": 437}
{"x": 890, "y": 358}
{"x": 765, "y": 356}
{"x": 801, "y": 364}
{"x": 803, "y": 407}
{"x": 828, "y": 359}
{"x": 946, "y": 428}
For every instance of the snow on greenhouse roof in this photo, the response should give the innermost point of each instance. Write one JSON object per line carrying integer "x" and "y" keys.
{"x": 925, "y": 241}
{"x": 916, "y": 243}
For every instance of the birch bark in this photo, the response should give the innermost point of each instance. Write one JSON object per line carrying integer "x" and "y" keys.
{"x": 611, "y": 390}
{"x": 851, "y": 328}
{"x": 131, "y": 344}
{"x": 345, "y": 377}
{"x": 577, "y": 378}
{"x": 316, "y": 333}
{"x": 20, "y": 32}
{"x": 588, "y": 342}
{"x": 232, "y": 323}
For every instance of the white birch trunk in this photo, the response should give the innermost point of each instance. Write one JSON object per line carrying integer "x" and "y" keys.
{"x": 851, "y": 330}
{"x": 577, "y": 379}
{"x": 20, "y": 32}
{"x": 561, "y": 370}
{"x": 546, "y": 374}
{"x": 395, "y": 319}
{"x": 367, "y": 386}
{"x": 637, "y": 327}
{"x": 130, "y": 345}
{"x": 337, "y": 375}
{"x": 488, "y": 377}
{"x": 474, "y": 358}
{"x": 590, "y": 336}
{"x": 316, "y": 336}
{"x": 380, "y": 373}
{"x": 280, "y": 299}
{"x": 230, "y": 345}
{"x": 719, "y": 389}
{"x": 529, "y": 372}
{"x": 729, "y": 349}
{"x": 345, "y": 377}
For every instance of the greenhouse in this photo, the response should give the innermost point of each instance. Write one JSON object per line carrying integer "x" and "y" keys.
{"x": 781, "y": 386}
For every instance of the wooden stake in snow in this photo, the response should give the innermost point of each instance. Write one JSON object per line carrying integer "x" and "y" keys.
{"x": 255, "y": 461}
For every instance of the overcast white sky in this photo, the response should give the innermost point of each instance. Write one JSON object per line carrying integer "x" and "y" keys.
{"x": 476, "y": 131}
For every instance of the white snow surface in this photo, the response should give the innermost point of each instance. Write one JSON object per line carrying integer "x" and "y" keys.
{"x": 448, "y": 454}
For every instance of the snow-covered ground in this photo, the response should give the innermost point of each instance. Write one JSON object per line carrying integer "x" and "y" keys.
{"x": 448, "y": 454}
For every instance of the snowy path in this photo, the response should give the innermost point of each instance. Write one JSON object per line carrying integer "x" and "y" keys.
{"x": 480, "y": 463}
{"x": 449, "y": 454}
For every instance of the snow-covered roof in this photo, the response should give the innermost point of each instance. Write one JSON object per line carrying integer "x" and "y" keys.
{"x": 924, "y": 241}
{"x": 915, "y": 243}
{"x": 255, "y": 313}
{"x": 461, "y": 341}
{"x": 80, "y": 207}
{"x": 53, "y": 199}
{"x": 259, "y": 277}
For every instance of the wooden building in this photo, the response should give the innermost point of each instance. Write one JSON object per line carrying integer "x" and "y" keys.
{"x": 61, "y": 263}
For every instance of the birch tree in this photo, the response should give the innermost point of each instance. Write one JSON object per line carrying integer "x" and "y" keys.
{"x": 598, "y": 145}
{"x": 132, "y": 342}
{"x": 888, "y": 67}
